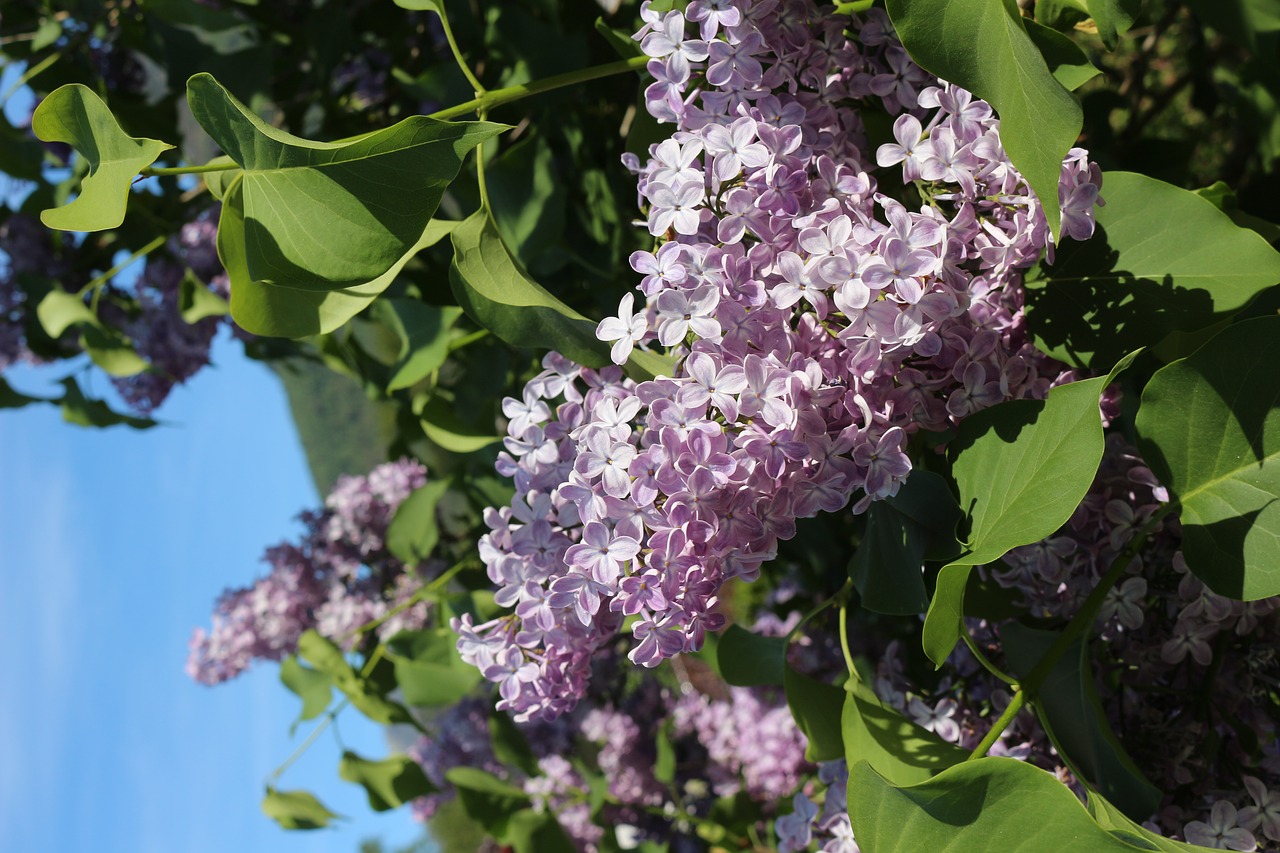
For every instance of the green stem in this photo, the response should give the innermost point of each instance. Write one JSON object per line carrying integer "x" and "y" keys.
{"x": 306, "y": 744}
{"x": 844, "y": 637}
{"x": 29, "y": 74}
{"x": 157, "y": 171}
{"x": 457, "y": 54}
{"x": 1081, "y": 622}
{"x": 498, "y": 97}
{"x": 422, "y": 593}
{"x": 97, "y": 283}
{"x": 1015, "y": 705}
{"x": 984, "y": 660}
{"x": 481, "y": 114}
{"x": 467, "y": 340}
{"x": 855, "y": 7}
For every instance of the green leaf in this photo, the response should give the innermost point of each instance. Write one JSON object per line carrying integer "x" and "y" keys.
{"x": 983, "y": 46}
{"x": 748, "y": 659}
{"x": 443, "y": 427}
{"x": 496, "y": 292}
{"x": 1067, "y": 62}
{"x": 817, "y": 708}
{"x": 429, "y": 670}
{"x": 902, "y": 531}
{"x": 531, "y": 831}
{"x": 196, "y": 301}
{"x": 487, "y": 799}
{"x": 527, "y": 198}
{"x": 1164, "y": 259}
{"x": 83, "y": 411}
{"x": 326, "y": 216}
{"x": 988, "y": 804}
{"x": 75, "y": 115}
{"x": 364, "y": 694}
{"x": 1114, "y": 18}
{"x": 424, "y": 338}
{"x": 510, "y": 746}
{"x": 414, "y": 530}
{"x": 896, "y": 747}
{"x": 112, "y": 351}
{"x": 11, "y": 399}
{"x": 219, "y": 182}
{"x": 619, "y": 40}
{"x": 1209, "y": 427}
{"x": 264, "y": 309}
{"x": 21, "y": 156}
{"x": 312, "y": 686}
{"x": 1114, "y": 821}
{"x": 59, "y": 311}
{"x": 390, "y": 783}
{"x": 296, "y": 809}
{"x": 1022, "y": 467}
{"x": 1067, "y": 704}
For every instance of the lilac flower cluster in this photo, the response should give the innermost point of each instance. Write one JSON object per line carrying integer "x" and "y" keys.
{"x": 335, "y": 578}
{"x": 817, "y": 324}
{"x": 175, "y": 349}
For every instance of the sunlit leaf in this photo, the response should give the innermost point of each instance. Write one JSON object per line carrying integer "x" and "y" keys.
{"x": 75, "y": 115}
{"x": 414, "y": 529}
{"x": 390, "y": 783}
{"x": 59, "y": 311}
{"x": 296, "y": 809}
{"x": 903, "y": 752}
{"x": 312, "y": 686}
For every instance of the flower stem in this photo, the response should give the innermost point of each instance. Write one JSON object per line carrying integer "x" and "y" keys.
{"x": 457, "y": 55}
{"x": 97, "y": 283}
{"x": 498, "y": 97}
{"x": 157, "y": 171}
{"x": 844, "y": 637}
{"x": 993, "y": 734}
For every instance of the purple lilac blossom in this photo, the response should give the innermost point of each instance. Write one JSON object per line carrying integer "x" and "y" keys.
{"x": 335, "y": 578}
{"x": 817, "y": 325}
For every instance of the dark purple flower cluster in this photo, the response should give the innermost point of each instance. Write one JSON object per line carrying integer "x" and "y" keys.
{"x": 26, "y": 248}
{"x": 817, "y": 325}
{"x": 335, "y": 578}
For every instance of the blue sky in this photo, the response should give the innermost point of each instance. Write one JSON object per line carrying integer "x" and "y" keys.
{"x": 113, "y": 546}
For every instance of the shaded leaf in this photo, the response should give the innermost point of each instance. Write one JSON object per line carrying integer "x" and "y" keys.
{"x": 1114, "y": 18}
{"x": 510, "y": 746}
{"x": 1164, "y": 260}
{"x": 112, "y": 351}
{"x": 817, "y": 708}
{"x": 748, "y": 659}
{"x": 81, "y": 410}
{"x": 983, "y": 46}
{"x": 1022, "y": 467}
{"x": 1114, "y": 821}
{"x": 445, "y": 430}
{"x": 296, "y": 809}
{"x": 1067, "y": 62}
{"x": 1209, "y": 427}
{"x": 916, "y": 524}
{"x": 1067, "y": 704}
{"x": 487, "y": 799}
{"x": 424, "y": 338}
{"x": 11, "y": 399}
{"x": 75, "y": 115}
{"x": 429, "y": 670}
{"x": 390, "y": 783}
{"x": 532, "y": 831}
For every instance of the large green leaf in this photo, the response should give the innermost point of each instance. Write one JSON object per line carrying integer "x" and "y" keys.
{"x": 902, "y": 531}
{"x": 366, "y": 695}
{"x": 903, "y": 752}
{"x": 324, "y": 216}
{"x": 85, "y": 411}
{"x": 495, "y": 291}
{"x": 390, "y": 783}
{"x": 1114, "y": 821}
{"x": 445, "y": 429}
{"x": 983, "y": 46}
{"x": 265, "y": 309}
{"x": 1022, "y": 468}
{"x": 296, "y": 809}
{"x": 1163, "y": 260}
{"x": 414, "y": 530}
{"x": 75, "y": 115}
{"x": 1113, "y": 18}
{"x": 1068, "y": 705}
{"x": 487, "y": 799}
{"x": 1209, "y": 427}
{"x": 748, "y": 659}
{"x": 989, "y": 804}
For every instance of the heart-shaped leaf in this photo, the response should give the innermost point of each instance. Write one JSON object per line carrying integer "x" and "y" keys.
{"x": 75, "y": 115}
{"x": 903, "y": 752}
{"x": 1209, "y": 427}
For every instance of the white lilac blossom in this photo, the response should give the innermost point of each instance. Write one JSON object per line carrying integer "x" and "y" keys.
{"x": 817, "y": 325}
{"x": 335, "y": 578}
